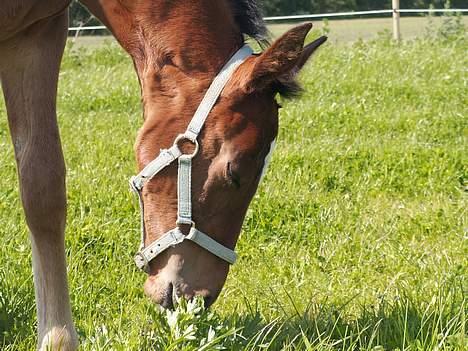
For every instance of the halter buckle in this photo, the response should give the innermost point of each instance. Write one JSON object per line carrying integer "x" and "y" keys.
{"x": 141, "y": 261}
{"x": 135, "y": 184}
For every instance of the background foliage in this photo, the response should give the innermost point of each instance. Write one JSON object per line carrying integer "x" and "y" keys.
{"x": 289, "y": 7}
{"x": 79, "y": 15}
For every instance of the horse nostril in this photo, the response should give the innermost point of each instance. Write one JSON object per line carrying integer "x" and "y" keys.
{"x": 208, "y": 300}
{"x": 167, "y": 301}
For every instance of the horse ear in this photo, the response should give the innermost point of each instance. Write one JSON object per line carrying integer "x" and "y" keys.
{"x": 285, "y": 56}
{"x": 307, "y": 52}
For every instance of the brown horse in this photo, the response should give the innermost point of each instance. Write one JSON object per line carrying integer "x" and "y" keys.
{"x": 177, "y": 47}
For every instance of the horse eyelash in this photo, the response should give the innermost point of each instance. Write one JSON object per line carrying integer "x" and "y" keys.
{"x": 233, "y": 177}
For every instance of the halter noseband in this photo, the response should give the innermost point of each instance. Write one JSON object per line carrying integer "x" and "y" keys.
{"x": 184, "y": 203}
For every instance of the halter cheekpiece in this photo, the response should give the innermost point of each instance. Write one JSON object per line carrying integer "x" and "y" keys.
{"x": 184, "y": 208}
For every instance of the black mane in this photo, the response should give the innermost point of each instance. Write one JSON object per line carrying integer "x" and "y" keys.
{"x": 248, "y": 16}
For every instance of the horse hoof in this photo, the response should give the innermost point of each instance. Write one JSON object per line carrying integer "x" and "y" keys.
{"x": 59, "y": 339}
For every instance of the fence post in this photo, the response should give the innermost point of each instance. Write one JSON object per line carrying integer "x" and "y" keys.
{"x": 396, "y": 19}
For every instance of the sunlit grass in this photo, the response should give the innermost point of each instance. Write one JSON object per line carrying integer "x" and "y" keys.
{"x": 355, "y": 240}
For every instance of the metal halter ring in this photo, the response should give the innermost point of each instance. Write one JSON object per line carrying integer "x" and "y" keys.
{"x": 192, "y": 223}
{"x": 181, "y": 137}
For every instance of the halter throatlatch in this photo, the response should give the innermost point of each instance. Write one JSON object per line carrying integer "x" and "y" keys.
{"x": 184, "y": 203}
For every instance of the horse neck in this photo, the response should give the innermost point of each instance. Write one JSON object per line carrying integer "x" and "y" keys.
{"x": 178, "y": 47}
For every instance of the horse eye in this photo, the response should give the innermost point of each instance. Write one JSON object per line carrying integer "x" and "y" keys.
{"x": 232, "y": 176}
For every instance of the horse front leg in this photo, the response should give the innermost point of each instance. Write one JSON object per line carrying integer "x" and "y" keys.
{"x": 29, "y": 73}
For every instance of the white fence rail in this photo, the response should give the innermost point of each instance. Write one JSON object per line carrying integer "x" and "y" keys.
{"x": 359, "y": 13}
{"x": 395, "y": 13}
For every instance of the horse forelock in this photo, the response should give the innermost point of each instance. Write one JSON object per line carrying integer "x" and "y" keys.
{"x": 248, "y": 16}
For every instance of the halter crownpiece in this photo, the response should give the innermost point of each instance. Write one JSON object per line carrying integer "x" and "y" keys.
{"x": 184, "y": 203}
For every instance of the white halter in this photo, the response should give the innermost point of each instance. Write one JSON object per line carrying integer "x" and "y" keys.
{"x": 184, "y": 213}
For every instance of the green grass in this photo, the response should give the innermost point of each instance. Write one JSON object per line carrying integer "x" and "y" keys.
{"x": 357, "y": 238}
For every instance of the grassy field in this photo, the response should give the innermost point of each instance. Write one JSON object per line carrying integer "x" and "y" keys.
{"x": 356, "y": 240}
{"x": 350, "y": 30}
